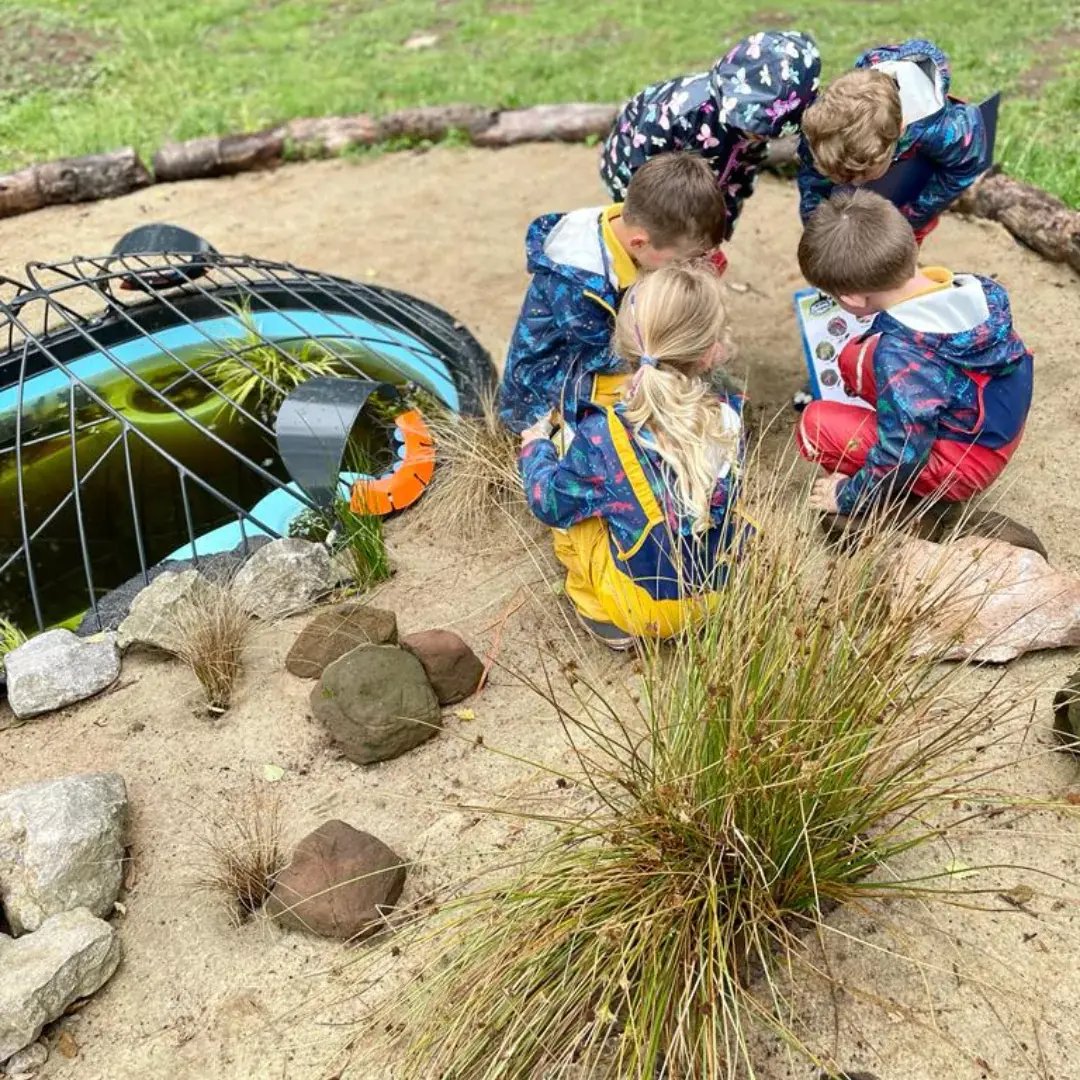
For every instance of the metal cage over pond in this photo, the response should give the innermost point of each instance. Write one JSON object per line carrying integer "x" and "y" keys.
{"x": 138, "y": 394}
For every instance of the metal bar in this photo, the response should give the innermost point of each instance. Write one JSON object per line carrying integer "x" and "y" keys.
{"x": 134, "y": 505}
{"x": 76, "y": 486}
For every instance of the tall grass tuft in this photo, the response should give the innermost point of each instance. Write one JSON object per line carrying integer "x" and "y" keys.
{"x": 782, "y": 760}
{"x": 239, "y": 852}
{"x": 359, "y": 538}
{"x": 11, "y": 637}
{"x": 256, "y": 374}
{"x": 477, "y": 487}
{"x": 212, "y": 631}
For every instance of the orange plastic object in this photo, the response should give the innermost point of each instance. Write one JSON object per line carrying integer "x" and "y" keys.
{"x": 409, "y": 478}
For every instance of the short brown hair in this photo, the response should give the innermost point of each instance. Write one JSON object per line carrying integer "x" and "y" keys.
{"x": 857, "y": 242}
{"x": 675, "y": 198}
{"x": 853, "y": 126}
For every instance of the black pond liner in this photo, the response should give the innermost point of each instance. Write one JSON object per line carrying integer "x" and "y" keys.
{"x": 119, "y": 448}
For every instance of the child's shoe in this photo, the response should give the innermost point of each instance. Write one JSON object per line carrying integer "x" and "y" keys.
{"x": 606, "y": 633}
{"x": 801, "y": 398}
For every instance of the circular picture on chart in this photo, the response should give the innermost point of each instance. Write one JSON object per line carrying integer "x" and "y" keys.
{"x": 829, "y": 378}
{"x": 837, "y": 327}
{"x": 825, "y": 352}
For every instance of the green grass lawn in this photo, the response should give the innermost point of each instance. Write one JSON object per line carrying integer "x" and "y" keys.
{"x": 83, "y": 75}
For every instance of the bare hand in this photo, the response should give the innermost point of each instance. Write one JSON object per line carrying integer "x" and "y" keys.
{"x": 823, "y": 493}
{"x": 540, "y": 430}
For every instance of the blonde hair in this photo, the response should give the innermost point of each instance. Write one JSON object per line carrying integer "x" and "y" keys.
{"x": 853, "y": 127}
{"x": 674, "y": 317}
{"x": 857, "y": 242}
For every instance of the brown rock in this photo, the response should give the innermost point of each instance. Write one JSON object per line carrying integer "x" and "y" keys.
{"x": 376, "y": 702}
{"x": 336, "y": 631}
{"x": 452, "y": 668}
{"x": 340, "y": 883}
{"x": 1067, "y": 714}
{"x": 548, "y": 123}
{"x": 991, "y": 600}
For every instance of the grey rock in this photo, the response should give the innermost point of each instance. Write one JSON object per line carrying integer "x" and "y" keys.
{"x": 113, "y": 607}
{"x": 339, "y": 883}
{"x": 27, "y": 1061}
{"x": 337, "y": 630}
{"x": 284, "y": 577}
{"x": 152, "y": 620}
{"x": 56, "y": 669}
{"x": 376, "y": 702}
{"x": 69, "y": 957}
{"x": 61, "y": 847}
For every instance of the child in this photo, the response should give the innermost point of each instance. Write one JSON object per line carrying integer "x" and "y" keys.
{"x": 949, "y": 379}
{"x": 894, "y": 104}
{"x": 756, "y": 92}
{"x": 646, "y": 488}
{"x": 581, "y": 263}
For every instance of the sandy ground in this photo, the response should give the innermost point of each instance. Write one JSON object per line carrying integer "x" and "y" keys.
{"x": 198, "y": 999}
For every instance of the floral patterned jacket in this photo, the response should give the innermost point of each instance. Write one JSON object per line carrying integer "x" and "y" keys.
{"x": 758, "y": 91}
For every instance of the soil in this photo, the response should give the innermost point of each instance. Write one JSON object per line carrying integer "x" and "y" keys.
{"x": 986, "y": 994}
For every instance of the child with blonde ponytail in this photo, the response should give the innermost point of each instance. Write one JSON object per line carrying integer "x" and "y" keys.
{"x": 642, "y": 501}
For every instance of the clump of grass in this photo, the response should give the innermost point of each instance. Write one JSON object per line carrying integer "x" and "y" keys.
{"x": 11, "y": 637}
{"x": 240, "y": 852}
{"x": 359, "y": 538}
{"x": 477, "y": 488}
{"x": 783, "y": 757}
{"x": 212, "y": 630}
{"x": 256, "y": 374}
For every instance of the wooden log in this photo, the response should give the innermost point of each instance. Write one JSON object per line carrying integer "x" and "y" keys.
{"x": 19, "y": 193}
{"x": 549, "y": 123}
{"x": 1036, "y": 218}
{"x": 95, "y": 176}
{"x": 213, "y": 156}
{"x": 321, "y": 136}
{"x": 435, "y": 122}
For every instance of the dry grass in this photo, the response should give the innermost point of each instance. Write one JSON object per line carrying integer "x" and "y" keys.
{"x": 786, "y": 758}
{"x": 477, "y": 490}
{"x": 240, "y": 852}
{"x": 212, "y": 631}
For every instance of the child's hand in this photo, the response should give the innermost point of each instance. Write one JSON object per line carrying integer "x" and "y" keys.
{"x": 823, "y": 493}
{"x": 540, "y": 430}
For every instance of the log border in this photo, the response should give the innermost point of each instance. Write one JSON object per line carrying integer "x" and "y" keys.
{"x": 1036, "y": 218}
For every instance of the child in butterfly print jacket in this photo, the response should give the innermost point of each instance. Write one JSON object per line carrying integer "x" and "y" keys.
{"x": 757, "y": 92}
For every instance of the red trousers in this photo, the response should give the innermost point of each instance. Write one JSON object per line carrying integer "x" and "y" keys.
{"x": 838, "y": 437}
{"x": 924, "y": 231}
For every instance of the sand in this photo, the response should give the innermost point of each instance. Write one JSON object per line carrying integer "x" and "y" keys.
{"x": 196, "y": 998}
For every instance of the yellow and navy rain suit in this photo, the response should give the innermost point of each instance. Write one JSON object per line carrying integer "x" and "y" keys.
{"x": 630, "y": 555}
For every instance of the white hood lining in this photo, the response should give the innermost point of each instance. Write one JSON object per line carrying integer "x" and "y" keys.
{"x": 921, "y": 94}
{"x": 574, "y": 241}
{"x": 953, "y": 310}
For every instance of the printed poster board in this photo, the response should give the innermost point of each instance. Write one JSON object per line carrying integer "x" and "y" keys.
{"x": 826, "y": 328}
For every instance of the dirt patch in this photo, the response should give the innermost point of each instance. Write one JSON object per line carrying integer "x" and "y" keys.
{"x": 195, "y": 998}
{"x": 1050, "y": 58}
{"x": 40, "y": 53}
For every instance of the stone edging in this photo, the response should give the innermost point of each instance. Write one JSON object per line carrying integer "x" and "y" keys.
{"x": 1036, "y": 218}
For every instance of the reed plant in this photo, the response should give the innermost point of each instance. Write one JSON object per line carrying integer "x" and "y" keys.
{"x": 786, "y": 756}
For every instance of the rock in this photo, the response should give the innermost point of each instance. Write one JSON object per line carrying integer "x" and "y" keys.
{"x": 1067, "y": 714}
{"x": 152, "y": 620}
{"x": 27, "y": 1061}
{"x": 991, "y": 600}
{"x": 336, "y": 631}
{"x": 339, "y": 883}
{"x": 284, "y": 577}
{"x": 452, "y": 668}
{"x": 69, "y": 957}
{"x": 61, "y": 847}
{"x": 114, "y": 606}
{"x": 376, "y": 703}
{"x": 57, "y": 668}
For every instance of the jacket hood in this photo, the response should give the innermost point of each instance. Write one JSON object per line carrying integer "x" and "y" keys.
{"x": 568, "y": 245}
{"x": 763, "y": 85}
{"x": 968, "y": 324}
{"x": 925, "y": 54}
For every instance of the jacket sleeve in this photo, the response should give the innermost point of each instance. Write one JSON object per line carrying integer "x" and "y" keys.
{"x": 911, "y": 396}
{"x": 956, "y": 145}
{"x": 562, "y": 493}
{"x": 814, "y": 188}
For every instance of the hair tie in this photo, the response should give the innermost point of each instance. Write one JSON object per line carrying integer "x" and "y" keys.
{"x": 645, "y": 360}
